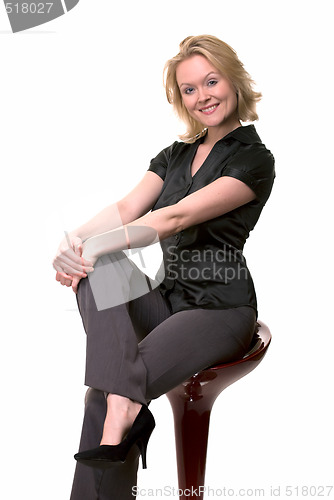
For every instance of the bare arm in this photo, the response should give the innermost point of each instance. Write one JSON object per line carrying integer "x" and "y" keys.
{"x": 134, "y": 205}
{"x": 69, "y": 260}
{"x": 219, "y": 197}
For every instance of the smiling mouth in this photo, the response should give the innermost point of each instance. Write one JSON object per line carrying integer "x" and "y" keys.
{"x": 209, "y": 109}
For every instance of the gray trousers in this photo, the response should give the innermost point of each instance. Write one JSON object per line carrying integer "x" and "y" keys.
{"x": 141, "y": 350}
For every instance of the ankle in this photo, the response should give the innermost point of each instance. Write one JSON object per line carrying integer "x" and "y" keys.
{"x": 121, "y": 413}
{"x": 122, "y": 406}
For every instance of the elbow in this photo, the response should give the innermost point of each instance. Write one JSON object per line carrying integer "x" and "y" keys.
{"x": 165, "y": 221}
{"x": 175, "y": 222}
{"x": 180, "y": 224}
{"x": 177, "y": 226}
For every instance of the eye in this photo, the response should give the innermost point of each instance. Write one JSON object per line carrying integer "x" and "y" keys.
{"x": 211, "y": 83}
{"x": 189, "y": 90}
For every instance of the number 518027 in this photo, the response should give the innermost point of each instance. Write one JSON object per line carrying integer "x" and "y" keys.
{"x": 29, "y": 8}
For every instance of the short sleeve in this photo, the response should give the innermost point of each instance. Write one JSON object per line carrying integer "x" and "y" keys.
{"x": 255, "y": 166}
{"x": 160, "y": 162}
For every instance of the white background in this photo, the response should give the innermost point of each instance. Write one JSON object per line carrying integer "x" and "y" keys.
{"x": 82, "y": 113}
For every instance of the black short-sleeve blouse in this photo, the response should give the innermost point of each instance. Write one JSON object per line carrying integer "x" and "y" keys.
{"x": 204, "y": 264}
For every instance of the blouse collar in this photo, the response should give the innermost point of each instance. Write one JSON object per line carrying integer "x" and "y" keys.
{"x": 246, "y": 134}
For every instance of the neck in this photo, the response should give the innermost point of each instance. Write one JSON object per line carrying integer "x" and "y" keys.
{"x": 214, "y": 134}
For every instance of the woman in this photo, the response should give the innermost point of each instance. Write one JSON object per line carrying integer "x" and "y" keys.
{"x": 200, "y": 197}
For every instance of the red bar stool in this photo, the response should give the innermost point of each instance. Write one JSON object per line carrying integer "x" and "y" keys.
{"x": 192, "y": 402}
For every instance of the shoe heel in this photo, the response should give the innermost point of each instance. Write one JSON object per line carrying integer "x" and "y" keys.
{"x": 142, "y": 445}
{"x": 105, "y": 455}
{"x": 142, "y": 448}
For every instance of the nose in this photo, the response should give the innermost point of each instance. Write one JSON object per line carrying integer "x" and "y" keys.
{"x": 203, "y": 94}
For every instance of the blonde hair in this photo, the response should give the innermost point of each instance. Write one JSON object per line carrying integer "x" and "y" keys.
{"x": 226, "y": 61}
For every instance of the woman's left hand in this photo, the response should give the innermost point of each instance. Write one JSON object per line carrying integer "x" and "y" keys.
{"x": 86, "y": 254}
{"x": 73, "y": 262}
{"x": 69, "y": 260}
{"x": 68, "y": 280}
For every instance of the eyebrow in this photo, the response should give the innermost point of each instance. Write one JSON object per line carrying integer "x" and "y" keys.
{"x": 211, "y": 73}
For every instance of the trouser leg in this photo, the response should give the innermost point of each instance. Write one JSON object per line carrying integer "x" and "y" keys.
{"x": 116, "y": 483}
{"x": 173, "y": 346}
{"x": 190, "y": 341}
{"x": 113, "y": 363}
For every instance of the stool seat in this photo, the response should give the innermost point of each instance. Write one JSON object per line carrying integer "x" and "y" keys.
{"x": 192, "y": 402}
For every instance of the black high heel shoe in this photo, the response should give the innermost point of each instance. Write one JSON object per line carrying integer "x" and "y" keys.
{"x": 106, "y": 455}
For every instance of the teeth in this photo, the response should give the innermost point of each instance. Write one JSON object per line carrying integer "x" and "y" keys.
{"x": 209, "y": 109}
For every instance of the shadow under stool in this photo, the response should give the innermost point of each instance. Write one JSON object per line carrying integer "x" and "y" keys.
{"x": 192, "y": 402}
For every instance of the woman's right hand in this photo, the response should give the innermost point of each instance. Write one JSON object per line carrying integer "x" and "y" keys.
{"x": 66, "y": 280}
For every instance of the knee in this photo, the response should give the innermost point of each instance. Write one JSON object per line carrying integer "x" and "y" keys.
{"x": 94, "y": 398}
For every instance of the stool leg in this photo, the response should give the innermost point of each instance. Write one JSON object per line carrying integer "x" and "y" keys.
{"x": 192, "y": 403}
{"x": 191, "y": 421}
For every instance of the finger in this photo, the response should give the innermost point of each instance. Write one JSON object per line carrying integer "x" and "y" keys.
{"x": 65, "y": 282}
{"x": 75, "y": 284}
{"x": 72, "y": 269}
{"x": 60, "y": 276}
{"x": 85, "y": 268}
{"x": 65, "y": 279}
{"x": 78, "y": 249}
{"x": 70, "y": 257}
{"x": 76, "y": 241}
{"x": 72, "y": 266}
{"x": 71, "y": 260}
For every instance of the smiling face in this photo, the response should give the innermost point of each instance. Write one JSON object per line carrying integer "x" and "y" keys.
{"x": 208, "y": 96}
